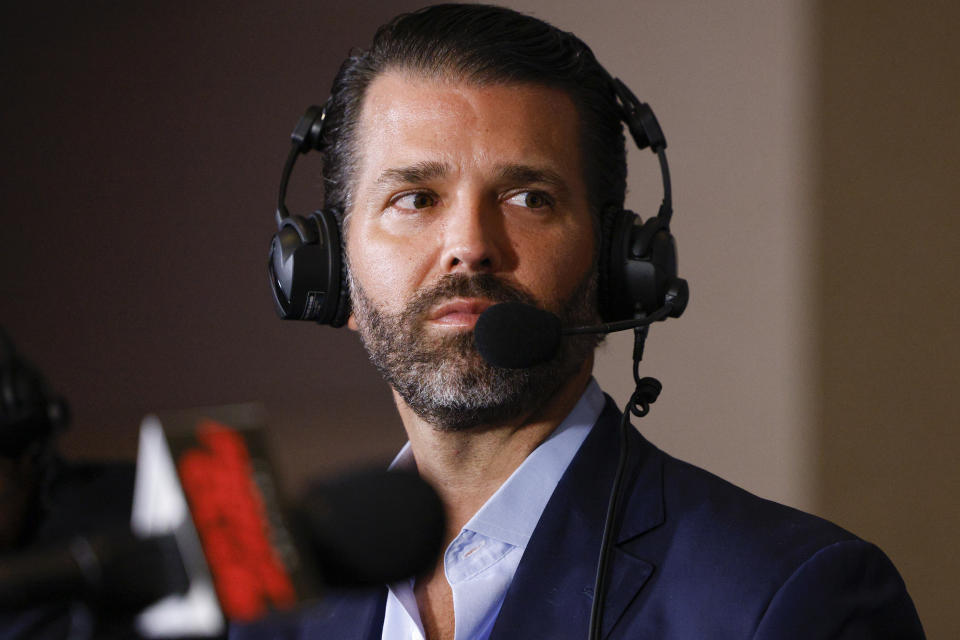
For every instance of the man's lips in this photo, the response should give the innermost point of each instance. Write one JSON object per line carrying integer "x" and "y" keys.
{"x": 459, "y": 312}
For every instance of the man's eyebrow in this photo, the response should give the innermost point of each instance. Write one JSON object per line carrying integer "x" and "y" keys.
{"x": 518, "y": 174}
{"x": 414, "y": 174}
{"x": 522, "y": 174}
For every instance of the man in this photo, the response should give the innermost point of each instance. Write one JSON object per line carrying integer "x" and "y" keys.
{"x": 475, "y": 154}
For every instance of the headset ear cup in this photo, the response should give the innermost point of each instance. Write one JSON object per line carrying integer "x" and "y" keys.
{"x": 338, "y": 310}
{"x": 305, "y": 269}
{"x": 652, "y": 263}
{"x": 292, "y": 267}
{"x": 660, "y": 250}
{"x": 638, "y": 268}
{"x": 614, "y": 303}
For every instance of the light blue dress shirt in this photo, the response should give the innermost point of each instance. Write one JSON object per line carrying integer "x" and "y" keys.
{"x": 481, "y": 561}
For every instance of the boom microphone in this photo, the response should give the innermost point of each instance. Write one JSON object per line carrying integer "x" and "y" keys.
{"x": 515, "y": 335}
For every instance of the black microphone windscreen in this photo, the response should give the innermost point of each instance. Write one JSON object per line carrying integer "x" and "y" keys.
{"x": 373, "y": 528}
{"x": 514, "y": 335}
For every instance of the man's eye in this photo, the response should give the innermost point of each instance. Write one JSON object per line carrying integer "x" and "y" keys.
{"x": 412, "y": 201}
{"x": 530, "y": 199}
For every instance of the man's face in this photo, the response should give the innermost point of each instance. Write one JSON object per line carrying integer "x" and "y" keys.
{"x": 464, "y": 196}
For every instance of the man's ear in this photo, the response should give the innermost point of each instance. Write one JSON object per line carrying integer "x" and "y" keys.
{"x": 352, "y": 323}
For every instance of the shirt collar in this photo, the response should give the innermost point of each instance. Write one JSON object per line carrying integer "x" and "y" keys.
{"x": 512, "y": 512}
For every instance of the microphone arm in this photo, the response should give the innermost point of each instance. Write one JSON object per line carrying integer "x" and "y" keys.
{"x": 621, "y": 325}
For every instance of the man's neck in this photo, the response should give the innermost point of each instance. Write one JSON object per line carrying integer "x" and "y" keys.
{"x": 467, "y": 467}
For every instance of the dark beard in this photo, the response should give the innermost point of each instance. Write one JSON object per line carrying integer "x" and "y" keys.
{"x": 443, "y": 378}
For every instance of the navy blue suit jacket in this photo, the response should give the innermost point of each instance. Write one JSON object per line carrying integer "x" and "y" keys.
{"x": 696, "y": 557}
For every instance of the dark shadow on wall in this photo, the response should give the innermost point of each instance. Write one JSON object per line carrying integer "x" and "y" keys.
{"x": 142, "y": 148}
{"x": 888, "y": 152}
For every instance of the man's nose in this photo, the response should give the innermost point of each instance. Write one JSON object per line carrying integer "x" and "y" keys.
{"x": 474, "y": 240}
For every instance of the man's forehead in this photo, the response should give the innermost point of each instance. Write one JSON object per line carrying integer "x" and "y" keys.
{"x": 398, "y": 81}
{"x": 405, "y": 114}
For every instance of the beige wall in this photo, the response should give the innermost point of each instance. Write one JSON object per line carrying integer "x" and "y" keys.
{"x": 889, "y": 304}
{"x": 729, "y": 82}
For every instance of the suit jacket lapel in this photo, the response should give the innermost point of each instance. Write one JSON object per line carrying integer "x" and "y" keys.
{"x": 553, "y": 585}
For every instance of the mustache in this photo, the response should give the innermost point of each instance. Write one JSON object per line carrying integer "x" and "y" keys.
{"x": 458, "y": 285}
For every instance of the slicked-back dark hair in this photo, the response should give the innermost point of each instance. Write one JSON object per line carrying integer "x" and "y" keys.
{"x": 482, "y": 44}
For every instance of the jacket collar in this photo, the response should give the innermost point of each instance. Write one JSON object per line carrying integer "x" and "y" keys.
{"x": 554, "y": 582}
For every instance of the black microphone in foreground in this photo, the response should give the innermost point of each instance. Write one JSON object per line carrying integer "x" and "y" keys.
{"x": 371, "y": 528}
{"x": 368, "y": 529}
{"x": 516, "y": 335}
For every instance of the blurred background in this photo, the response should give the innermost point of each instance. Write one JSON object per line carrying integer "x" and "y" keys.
{"x": 814, "y": 151}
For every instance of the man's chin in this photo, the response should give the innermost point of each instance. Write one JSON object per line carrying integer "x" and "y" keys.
{"x": 460, "y": 391}
{"x": 435, "y": 367}
{"x": 463, "y": 418}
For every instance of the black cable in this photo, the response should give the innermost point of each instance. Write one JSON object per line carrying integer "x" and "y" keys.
{"x": 644, "y": 394}
{"x": 613, "y": 506}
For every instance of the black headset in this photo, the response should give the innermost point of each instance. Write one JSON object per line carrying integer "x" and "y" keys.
{"x": 29, "y": 411}
{"x": 638, "y": 260}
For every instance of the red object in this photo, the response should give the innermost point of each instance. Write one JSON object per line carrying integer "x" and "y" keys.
{"x": 229, "y": 514}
